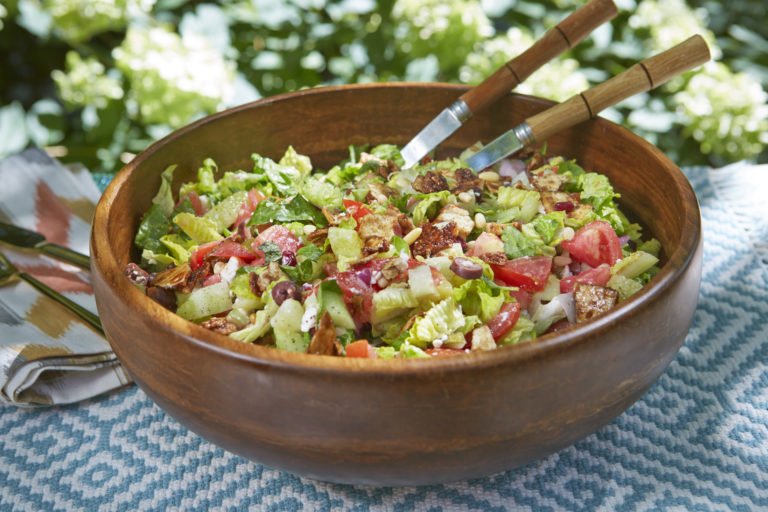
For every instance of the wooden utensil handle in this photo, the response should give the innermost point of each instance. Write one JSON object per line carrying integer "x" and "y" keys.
{"x": 641, "y": 77}
{"x": 563, "y": 36}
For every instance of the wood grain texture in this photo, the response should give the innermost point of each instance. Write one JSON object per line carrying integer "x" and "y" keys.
{"x": 402, "y": 422}
{"x": 567, "y": 34}
{"x": 642, "y": 77}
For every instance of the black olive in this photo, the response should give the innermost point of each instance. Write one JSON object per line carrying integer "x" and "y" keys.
{"x": 466, "y": 268}
{"x": 164, "y": 297}
{"x": 285, "y": 290}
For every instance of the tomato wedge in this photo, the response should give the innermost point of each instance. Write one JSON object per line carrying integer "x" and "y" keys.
{"x": 594, "y": 244}
{"x": 195, "y": 201}
{"x": 281, "y": 236}
{"x": 361, "y": 348}
{"x": 529, "y": 273}
{"x": 355, "y": 208}
{"x": 598, "y": 276}
{"x": 246, "y": 210}
{"x": 198, "y": 255}
{"x": 228, "y": 249}
{"x": 505, "y": 320}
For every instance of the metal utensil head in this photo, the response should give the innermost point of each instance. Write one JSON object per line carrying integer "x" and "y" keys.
{"x": 443, "y": 125}
{"x": 20, "y": 237}
{"x": 502, "y": 146}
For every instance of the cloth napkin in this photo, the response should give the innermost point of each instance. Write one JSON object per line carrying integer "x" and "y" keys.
{"x": 47, "y": 354}
{"x": 697, "y": 440}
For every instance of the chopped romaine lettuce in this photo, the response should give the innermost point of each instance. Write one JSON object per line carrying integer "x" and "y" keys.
{"x": 549, "y": 225}
{"x": 477, "y": 297}
{"x": 300, "y": 162}
{"x": 346, "y": 245}
{"x": 321, "y": 193}
{"x": 624, "y": 285}
{"x": 528, "y": 201}
{"x": 429, "y": 204}
{"x": 164, "y": 196}
{"x": 284, "y": 179}
{"x": 523, "y": 330}
{"x": 517, "y": 245}
{"x": 439, "y": 321}
{"x": 391, "y": 302}
{"x": 199, "y": 229}
{"x": 258, "y": 328}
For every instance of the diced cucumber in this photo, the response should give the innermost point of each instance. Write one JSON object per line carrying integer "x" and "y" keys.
{"x": 288, "y": 316}
{"x": 634, "y": 264}
{"x": 207, "y": 301}
{"x": 334, "y": 304}
{"x": 422, "y": 285}
{"x": 293, "y": 341}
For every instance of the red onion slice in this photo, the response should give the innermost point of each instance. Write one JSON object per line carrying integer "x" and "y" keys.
{"x": 466, "y": 268}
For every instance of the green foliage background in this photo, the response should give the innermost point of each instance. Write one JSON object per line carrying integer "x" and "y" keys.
{"x": 97, "y": 81}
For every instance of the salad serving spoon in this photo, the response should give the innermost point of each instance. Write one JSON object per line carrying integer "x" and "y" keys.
{"x": 8, "y": 272}
{"x": 565, "y": 35}
{"x": 643, "y": 76}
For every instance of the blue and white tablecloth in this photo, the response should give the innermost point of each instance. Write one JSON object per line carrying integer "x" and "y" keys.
{"x": 698, "y": 440}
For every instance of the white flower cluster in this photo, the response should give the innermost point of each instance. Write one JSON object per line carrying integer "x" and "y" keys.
{"x": 77, "y": 21}
{"x": 3, "y": 15}
{"x": 558, "y": 80}
{"x": 173, "y": 80}
{"x": 670, "y": 22}
{"x": 726, "y": 112}
{"x": 85, "y": 82}
{"x": 447, "y": 30}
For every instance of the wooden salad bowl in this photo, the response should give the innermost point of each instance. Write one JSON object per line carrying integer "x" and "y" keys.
{"x": 397, "y": 422}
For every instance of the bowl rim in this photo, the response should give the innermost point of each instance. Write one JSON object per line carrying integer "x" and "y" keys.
{"x": 106, "y": 263}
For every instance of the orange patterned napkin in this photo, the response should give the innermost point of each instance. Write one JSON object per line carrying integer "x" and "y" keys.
{"x": 47, "y": 354}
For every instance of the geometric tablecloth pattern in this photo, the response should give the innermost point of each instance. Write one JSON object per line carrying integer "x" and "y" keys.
{"x": 697, "y": 440}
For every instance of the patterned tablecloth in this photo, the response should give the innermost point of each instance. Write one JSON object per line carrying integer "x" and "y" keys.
{"x": 697, "y": 440}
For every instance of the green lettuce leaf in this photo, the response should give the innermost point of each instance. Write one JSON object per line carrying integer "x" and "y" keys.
{"x": 164, "y": 196}
{"x": 429, "y": 205}
{"x": 272, "y": 251}
{"x": 199, "y": 229}
{"x": 477, "y": 297}
{"x": 321, "y": 193}
{"x": 528, "y": 201}
{"x": 285, "y": 179}
{"x": 346, "y": 245}
{"x": 293, "y": 159}
{"x": 439, "y": 321}
{"x": 153, "y": 227}
{"x": 549, "y": 225}
{"x": 518, "y": 244}
{"x": 388, "y": 152}
{"x": 177, "y": 248}
{"x": 523, "y": 330}
{"x": 295, "y": 209}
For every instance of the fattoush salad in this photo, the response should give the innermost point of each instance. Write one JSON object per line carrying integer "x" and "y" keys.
{"x": 371, "y": 260}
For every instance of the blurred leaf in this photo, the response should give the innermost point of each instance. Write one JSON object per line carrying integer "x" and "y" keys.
{"x": 13, "y": 131}
{"x": 45, "y": 123}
